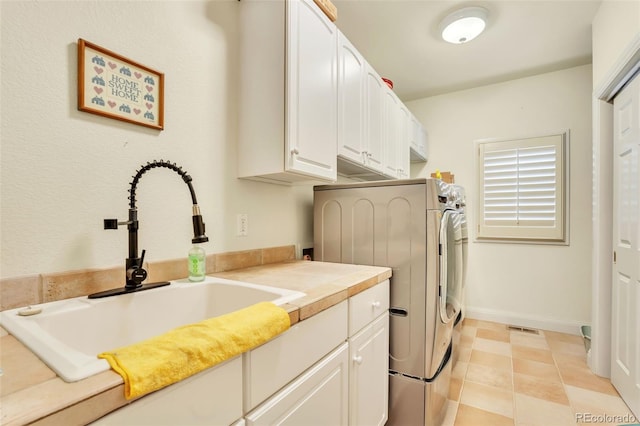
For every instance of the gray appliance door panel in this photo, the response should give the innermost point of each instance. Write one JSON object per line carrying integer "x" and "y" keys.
{"x": 407, "y": 397}
{"x": 363, "y": 215}
{"x": 388, "y": 222}
{"x": 437, "y": 396}
{"x": 402, "y": 211}
{"x": 328, "y": 231}
{"x": 434, "y": 337}
{"x": 418, "y": 402}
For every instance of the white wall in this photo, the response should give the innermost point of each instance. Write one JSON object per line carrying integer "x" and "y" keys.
{"x": 615, "y": 25}
{"x": 63, "y": 171}
{"x": 534, "y": 285}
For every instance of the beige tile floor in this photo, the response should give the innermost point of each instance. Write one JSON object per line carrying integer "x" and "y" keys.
{"x": 506, "y": 377}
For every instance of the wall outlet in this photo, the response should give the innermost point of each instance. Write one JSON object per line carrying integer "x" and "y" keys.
{"x": 242, "y": 220}
{"x": 304, "y": 250}
{"x": 307, "y": 253}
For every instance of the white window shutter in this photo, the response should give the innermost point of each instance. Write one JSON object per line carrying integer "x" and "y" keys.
{"x": 522, "y": 189}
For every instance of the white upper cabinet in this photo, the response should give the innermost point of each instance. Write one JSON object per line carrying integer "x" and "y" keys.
{"x": 351, "y": 101}
{"x": 360, "y": 113}
{"x": 288, "y": 92}
{"x": 396, "y": 136}
{"x": 374, "y": 112}
{"x": 390, "y": 132}
{"x": 310, "y": 105}
{"x": 419, "y": 149}
{"x": 313, "y": 90}
{"x": 403, "y": 142}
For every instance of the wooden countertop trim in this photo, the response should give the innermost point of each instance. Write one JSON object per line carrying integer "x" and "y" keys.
{"x": 37, "y": 402}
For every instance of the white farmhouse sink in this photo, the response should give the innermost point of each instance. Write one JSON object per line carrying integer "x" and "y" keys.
{"x": 69, "y": 334}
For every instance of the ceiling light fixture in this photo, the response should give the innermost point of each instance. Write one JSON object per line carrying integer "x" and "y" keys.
{"x": 464, "y": 25}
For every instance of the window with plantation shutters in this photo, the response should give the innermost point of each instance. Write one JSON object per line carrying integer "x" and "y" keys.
{"x": 522, "y": 191}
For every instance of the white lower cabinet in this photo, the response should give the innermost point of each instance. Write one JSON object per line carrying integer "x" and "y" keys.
{"x": 317, "y": 397}
{"x": 368, "y": 374}
{"x": 268, "y": 368}
{"x": 330, "y": 369}
{"x": 198, "y": 400}
{"x": 347, "y": 386}
{"x": 369, "y": 356}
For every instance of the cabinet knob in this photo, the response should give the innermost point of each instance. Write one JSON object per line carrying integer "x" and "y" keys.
{"x": 375, "y": 305}
{"x": 295, "y": 151}
{"x": 357, "y": 359}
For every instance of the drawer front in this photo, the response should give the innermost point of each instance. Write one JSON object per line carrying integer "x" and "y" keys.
{"x": 271, "y": 366}
{"x": 366, "y": 306}
{"x": 318, "y": 397}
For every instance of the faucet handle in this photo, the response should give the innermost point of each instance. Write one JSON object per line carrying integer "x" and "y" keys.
{"x": 111, "y": 224}
{"x": 137, "y": 273}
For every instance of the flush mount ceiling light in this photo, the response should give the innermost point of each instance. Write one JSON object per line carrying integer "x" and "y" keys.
{"x": 464, "y": 25}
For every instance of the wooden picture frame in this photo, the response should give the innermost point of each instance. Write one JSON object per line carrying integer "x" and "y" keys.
{"x": 113, "y": 86}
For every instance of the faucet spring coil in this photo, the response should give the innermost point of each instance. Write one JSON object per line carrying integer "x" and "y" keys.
{"x": 151, "y": 165}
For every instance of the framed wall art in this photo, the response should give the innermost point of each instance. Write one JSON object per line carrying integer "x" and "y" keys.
{"x": 113, "y": 86}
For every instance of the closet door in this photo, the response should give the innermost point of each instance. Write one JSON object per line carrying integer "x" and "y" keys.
{"x": 625, "y": 356}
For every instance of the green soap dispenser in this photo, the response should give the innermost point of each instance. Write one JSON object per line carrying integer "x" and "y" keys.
{"x": 197, "y": 261}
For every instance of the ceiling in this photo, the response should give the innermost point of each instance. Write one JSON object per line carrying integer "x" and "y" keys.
{"x": 400, "y": 39}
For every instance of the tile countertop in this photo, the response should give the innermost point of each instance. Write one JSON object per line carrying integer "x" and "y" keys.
{"x": 31, "y": 392}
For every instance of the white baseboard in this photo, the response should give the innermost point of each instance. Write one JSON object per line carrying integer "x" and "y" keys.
{"x": 529, "y": 321}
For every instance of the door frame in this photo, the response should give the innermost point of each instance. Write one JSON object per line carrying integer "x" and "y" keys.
{"x": 613, "y": 81}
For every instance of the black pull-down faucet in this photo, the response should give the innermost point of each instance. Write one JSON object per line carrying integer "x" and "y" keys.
{"x": 135, "y": 272}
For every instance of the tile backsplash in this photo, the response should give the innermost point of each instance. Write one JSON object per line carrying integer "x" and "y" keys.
{"x": 42, "y": 288}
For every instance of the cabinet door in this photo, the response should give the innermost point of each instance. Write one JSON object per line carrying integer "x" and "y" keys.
{"x": 368, "y": 374}
{"x": 271, "y": 366}
{"x": 351, "y": 72}
{"x": 391, "y": 130}
{"x": 374, "y": 113}
{"x": 404, "y": 130}
{"x": 424, "y": 142}
{"x": 312, "y": 92}
{"x": 318, "y": 397}
{"x": 418, "y": 141}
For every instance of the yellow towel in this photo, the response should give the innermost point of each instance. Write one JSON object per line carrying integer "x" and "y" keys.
{"x": 162, "y": 360}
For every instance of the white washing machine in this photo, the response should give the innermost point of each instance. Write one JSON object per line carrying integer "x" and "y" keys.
{"x": 459, "y": 203}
